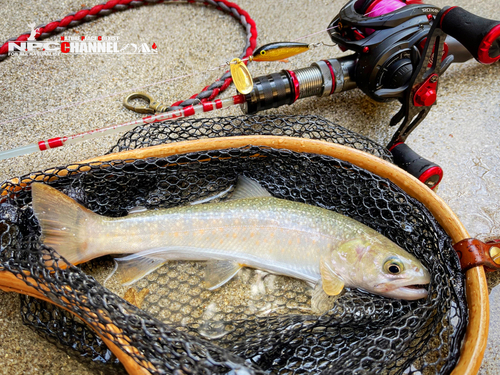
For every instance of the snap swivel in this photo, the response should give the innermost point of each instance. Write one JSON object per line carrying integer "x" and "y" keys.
{"x": 152, "y": 106}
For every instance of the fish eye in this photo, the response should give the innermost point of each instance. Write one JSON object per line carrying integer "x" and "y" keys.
{"x": 262, "y": 52}
{"x": 393, "y": 266}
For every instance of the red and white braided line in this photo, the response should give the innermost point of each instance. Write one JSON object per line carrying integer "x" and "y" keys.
{"x": 102, "y": 10}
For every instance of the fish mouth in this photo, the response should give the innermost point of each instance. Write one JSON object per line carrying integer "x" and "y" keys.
{"x": 417, "y": 286}
{"x": 412, "y": 292}
{"x": 409, "y": 292}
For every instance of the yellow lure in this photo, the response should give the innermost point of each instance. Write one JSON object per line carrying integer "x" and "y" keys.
{"x": 241, "y": 76}
{"x": 279, "y": 51}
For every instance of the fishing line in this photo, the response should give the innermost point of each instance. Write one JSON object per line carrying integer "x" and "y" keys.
{"x": 380, "y": 8}
{"x": 317, "y": 32}
{"x": 107, "y": 96}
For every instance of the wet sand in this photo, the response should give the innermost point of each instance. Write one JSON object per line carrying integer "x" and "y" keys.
{"x": 461, "y": 133}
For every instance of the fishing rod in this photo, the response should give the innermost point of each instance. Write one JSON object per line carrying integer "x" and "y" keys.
{"x": 200, "y": 102}
{"x": 112, "y": 129}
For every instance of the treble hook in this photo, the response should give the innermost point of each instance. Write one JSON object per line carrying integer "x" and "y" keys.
{"x": 152, "y": 106}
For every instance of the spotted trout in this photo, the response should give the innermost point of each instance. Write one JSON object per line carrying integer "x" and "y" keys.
{"x": 250, "y": 229}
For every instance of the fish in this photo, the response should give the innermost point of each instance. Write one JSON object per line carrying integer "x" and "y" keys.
{"x": 252, "y": 228}
{"x": 279, "y": 51}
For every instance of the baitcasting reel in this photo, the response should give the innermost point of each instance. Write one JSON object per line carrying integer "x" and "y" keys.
{"x": 400, "y": 52}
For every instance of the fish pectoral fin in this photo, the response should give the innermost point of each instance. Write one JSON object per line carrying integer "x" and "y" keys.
{"x": 327, "y": 290}
{"x": 219, "y": 272}
{"x": 332, "y": 283}
{"x": 248, "y": 188}
{"x": 320, "y": 301}
{"x": 284, "y": 60}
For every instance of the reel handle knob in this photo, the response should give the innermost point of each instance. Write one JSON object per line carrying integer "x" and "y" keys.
{"x": 481, "y": 36}
{"x": 426, "y": 171}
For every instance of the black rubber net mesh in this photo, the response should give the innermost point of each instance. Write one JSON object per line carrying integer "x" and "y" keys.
{"x": 302, "y": 126}
{"x": 182, "y": 328}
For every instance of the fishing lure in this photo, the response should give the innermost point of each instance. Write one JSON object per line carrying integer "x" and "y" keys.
{"x": 279, "y": 51}
{"x": 241, "y": 76}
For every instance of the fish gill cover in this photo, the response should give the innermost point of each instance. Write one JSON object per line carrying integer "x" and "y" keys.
{"x": 361, "y": 334}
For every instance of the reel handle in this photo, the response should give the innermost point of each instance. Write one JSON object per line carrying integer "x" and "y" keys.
{"x": 426, "y": 171}
{"x": 481, "y": 36}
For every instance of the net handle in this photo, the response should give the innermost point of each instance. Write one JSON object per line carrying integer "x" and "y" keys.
{"x": 476, "y": 335}
{"x": 10, "y": 283}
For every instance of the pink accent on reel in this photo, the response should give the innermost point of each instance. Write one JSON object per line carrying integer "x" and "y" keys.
{"x": 381, "y": 7}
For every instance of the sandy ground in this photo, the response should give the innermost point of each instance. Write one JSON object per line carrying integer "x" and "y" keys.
{"x": 460, "y": 134}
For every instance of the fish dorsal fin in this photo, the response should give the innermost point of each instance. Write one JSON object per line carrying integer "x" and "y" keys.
{"x": 248, "y": 188}
{"x": 332, "y": 283}
{"x": 219, "y": 272}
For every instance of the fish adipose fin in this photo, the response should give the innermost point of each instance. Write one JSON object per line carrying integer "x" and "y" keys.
{"x": 219, "y": 272}
{"x": 248, "y": 188}
{"x": 64, "y": 222}
{"x": 332, "y": 284}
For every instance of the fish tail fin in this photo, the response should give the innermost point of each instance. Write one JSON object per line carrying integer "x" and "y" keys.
{"x": 64, "y": 223}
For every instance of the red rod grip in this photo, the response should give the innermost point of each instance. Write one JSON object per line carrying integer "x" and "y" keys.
{"x": 479, "y": 35}
{"x": 426, "y": 171}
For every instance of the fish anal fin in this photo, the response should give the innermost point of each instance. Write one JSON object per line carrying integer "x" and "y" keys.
{"x": 219, "y": 272}
{"x": 131, "y": 269}
{"x": 137, "y": 209}
{"x": 332, "y": 283}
